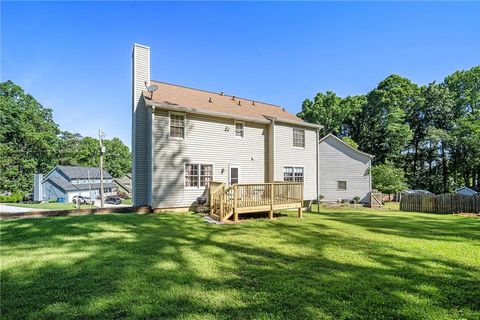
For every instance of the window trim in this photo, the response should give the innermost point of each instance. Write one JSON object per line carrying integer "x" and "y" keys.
{"x": 338, "y": 187}
{"x": 235, "y": 129}
{"x": 170, "y": 113}
{"x": 304, "y": 138}
{"x": 198, "y": 163}
{"x": 293, "y": 167}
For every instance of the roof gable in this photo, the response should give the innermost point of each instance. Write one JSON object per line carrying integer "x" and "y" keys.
{"x": 331, "y": 136}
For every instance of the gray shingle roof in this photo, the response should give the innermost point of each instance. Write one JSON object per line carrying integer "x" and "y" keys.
{"x": 74, "y": 172}
{"x": 67, "y": 186}
{"x": 62, "y": 183}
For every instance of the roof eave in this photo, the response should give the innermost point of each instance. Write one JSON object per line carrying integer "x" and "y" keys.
{"x": 179, "y": 108}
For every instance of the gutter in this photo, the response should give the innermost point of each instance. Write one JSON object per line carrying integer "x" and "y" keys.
{"x": 224, "y": 115}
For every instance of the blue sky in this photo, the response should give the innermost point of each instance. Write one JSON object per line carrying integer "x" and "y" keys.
{"x": 76, "y": 57}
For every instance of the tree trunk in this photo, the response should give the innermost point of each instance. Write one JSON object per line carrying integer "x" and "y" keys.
{"x": 445, "y": 169}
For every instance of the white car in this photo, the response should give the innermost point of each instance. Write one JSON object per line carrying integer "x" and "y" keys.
{"x": 82, "y": 200}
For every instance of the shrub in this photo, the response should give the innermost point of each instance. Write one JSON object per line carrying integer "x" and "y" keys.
{"x": 13, "y": 198}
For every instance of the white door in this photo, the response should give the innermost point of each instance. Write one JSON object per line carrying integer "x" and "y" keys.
{"x": 234, "y": 175}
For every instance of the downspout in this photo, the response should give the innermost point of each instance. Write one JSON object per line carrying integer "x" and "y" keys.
{"x": 318, "y": 171}
{"x": 152, "y": 159}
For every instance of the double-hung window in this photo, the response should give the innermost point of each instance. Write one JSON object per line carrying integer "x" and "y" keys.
{"x": 198, "y": 175}
{"x": 177, "y": 126}
{"x": 293, "y": 174}
{"x": 239, "y": 130}
{"x": 298, "y": 138}
{"x": 342, "y": 185}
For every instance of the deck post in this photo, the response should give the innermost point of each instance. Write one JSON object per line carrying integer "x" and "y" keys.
{"x": 210, "y": 200}
{"x": 235, "y": 203}
{"x": 300, "y": 209}
{"x": 221, "y": 207}
{"x": 270, "y": 213}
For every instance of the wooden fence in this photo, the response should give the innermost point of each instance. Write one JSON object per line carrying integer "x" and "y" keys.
{"x": 442, "y": 203}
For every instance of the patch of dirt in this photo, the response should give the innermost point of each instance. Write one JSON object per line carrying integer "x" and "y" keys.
{"x": 471, "y": 215}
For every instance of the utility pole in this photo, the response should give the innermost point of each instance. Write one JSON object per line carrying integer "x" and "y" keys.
{"x": 101, "y": 135}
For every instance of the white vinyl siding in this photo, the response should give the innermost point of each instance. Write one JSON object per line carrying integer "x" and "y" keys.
{"x": 140, "y": 164}
{"x": 207, "y": 142}
{"x": 286, "y": 156}
{"x": 339, "y": 162}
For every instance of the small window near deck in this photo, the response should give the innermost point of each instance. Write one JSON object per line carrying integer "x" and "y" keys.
{"x": 293, "y": 174}
{"x": 298, "y": 138}
{"x": 342, "y": 185}
{"x": 198, "y": 175}
{"x": 288, "y": 174}
{"x": 239, "y": 130}
{"x": 177, "y": 126}
{"x": 206, "y": 174}
{"x": 298, "y": 174}
{"x": 191, "y": 175}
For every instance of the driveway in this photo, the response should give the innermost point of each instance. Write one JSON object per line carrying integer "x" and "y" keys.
{"x": 11, "y": 209}
{"x": 108, "y": 205}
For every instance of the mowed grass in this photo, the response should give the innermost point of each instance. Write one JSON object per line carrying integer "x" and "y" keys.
{"x": 340, "y": 264}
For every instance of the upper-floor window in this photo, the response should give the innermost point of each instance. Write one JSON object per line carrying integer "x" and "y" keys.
{"x": 298, "y": 138}
{"x": 239, "y": 129}
{"x": 342, "y": 185}
{"x": 198, "y": 175}
{"x": 177, "y": 126}
{"x": 293, "y": 174}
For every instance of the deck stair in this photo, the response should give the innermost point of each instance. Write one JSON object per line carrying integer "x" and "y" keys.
{"x": 230, "y": 201}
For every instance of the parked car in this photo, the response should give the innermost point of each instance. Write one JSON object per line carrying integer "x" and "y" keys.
{"x": 417, "y": 192}
{"x": 113, "y": 200}
{"x": 82, "y": 200}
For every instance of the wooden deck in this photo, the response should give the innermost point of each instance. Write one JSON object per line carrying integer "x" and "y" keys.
{"x": 226, "y": 202}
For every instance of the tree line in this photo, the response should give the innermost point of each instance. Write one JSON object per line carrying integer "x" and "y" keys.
{"x": 431, "y": 132}
{"x": 31, "y": 142}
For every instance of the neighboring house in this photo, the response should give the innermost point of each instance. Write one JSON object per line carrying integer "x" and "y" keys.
{"x": 466, "y": 191}
{"x": 182, "y": 138}
{"x": 344, "y": 171}
{"x": 69, "y": 181}
{"x": 124, "y": 184}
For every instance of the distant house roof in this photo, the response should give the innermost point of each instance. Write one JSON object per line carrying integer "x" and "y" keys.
{"x": 466, "y": 190}
{"x": 62, "y": 184}
{"x": 125, "y": 183}
{"x": 340, "y": 140}
{"x": 66, "y": 186}
{"x": 77, "y": 172}
{"x": 187, "y": 99}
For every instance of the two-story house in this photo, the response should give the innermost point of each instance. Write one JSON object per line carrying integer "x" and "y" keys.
{"x": 65, "y": 182}
{"x": 183, "y": 138}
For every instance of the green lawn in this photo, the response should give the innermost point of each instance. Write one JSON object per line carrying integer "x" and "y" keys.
{"x": 53, "y": 206}
{"x": 127, "y": 201}
{"x": 341, "y": 264}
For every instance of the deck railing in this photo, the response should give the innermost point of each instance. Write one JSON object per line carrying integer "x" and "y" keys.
{"x": 254, "y": 197}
